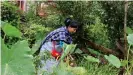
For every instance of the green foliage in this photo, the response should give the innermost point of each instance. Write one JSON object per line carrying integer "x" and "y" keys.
{"x": 10, "y": 12}
{"x": 129, "y": 60}
{"x": 113, "y": 60}
{"x": 92, "y": 59}
{"x": 97, "y": 69}
{"x": 102, "y": 22}
{"x": 113, "y": 18}
{"x": 98, "y": 32}
{"x": 52, "y": 18}
{"x": 64, "y": 69}
{"x": 129, "y": 30}
{"x": 34, "y": 30}
{"x": 130, "y": 39}
{"x": 10, "y": 30}
{"x": 78, "y": 51}
{"x": 124, "y": 62}
{"x": 78, "y": 70}
{"x": 36, "y": 46}
{"x": 67, "y": 49}
{"x": 54, "y": 21}
{"x": 94, "y": 52}
{"x": 31, "y": 14}
{"x": 85, "y": 12}
{"x": 17, "y": 60}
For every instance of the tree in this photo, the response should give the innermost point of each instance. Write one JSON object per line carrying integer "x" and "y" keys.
{"x": 125, "y": 25}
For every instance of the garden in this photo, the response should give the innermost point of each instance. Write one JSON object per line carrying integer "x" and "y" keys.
{"x": 103, "y": 44}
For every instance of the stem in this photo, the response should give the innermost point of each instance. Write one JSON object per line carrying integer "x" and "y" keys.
{"x": 128, "y": 56}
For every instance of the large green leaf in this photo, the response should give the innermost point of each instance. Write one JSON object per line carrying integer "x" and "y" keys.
{"x": 73, "y": 46}
{"x": 130, "y": 39}
{"x": 113, "y": 60}
{"x": 11, "y": 30}
{"x": 4, "y": 51}
{"x": 17, "y": 60}
{"x": 67, "y": 49}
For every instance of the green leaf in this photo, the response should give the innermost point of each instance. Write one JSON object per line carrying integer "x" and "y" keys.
{"x": 130, "y": 39}
{"x": 131, "y": 62}
{"x": 129, "y": 30}
{"x": 124, "y": 62}
{"x": 73, "y": 46}
{"x": 4, "y": 51}
{"x": 11, "y": 30}
{"x": 36, "y": 46}
{"x": 94, "y": 51}
{"x": 78, "y": 51}
{"x": 67, "y": 49}
{"x": 113, "y": 60}
{"x": 17, "y": 60}
{"x": 92, "y": 59}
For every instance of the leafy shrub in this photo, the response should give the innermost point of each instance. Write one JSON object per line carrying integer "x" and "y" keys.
{"x": 10, "y": 12}
{"x": 98, "y": 33}
{"x": 53, "y": 21}
{"x": 34, "y": 32}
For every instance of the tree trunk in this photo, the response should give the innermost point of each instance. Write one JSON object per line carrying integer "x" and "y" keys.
{"x": 101, "y": 48}
{"x": 125, "y": 24}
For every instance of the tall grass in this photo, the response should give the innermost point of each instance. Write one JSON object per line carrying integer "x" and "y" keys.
{"x": 98, "y": 69}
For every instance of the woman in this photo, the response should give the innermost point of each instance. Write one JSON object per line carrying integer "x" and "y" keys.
{"x": 54, "y": 41}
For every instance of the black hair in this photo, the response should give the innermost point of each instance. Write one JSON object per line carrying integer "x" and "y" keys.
{"x": 71, "y": 23}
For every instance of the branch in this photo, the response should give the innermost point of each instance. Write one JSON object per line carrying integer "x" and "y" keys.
{"x": 101, "y": 48}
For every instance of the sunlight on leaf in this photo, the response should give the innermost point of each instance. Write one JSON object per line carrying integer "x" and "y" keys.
{"x": 10, "y": 30}
{"x": 130, "y": 39}
{"x": 113, "y": 60}
{"x": 17, "y": 60}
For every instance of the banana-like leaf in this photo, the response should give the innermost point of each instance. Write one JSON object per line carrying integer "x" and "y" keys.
{"x": 67, "y": 49}
{"x": 17, "y": 60}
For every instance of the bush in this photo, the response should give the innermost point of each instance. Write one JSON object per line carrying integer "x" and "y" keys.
{"x": 10, "y": 12}
{"x": 98, "y": 33}
{"x": 34, "y": 32}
